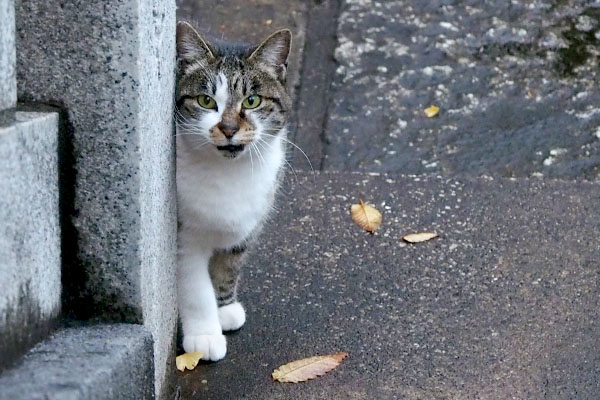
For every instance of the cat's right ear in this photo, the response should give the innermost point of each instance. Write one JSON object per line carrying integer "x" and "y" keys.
{"x": 191, "y": 48}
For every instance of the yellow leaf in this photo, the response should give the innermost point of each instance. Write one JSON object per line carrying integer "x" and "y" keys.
{"x": 187, "y": 360}
{"x": 432, "y": 111}
{"x": 419, "y": 237}
{"x": 366, "y": 216}
{"x": 307, "y": 368}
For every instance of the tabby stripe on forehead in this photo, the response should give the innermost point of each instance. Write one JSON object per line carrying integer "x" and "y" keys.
{"x": 275, "y": 100}
{"x": 256, "y": 87}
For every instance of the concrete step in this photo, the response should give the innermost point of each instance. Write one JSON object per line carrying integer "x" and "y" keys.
{"x": 8, "y": 82}
{"x": 29, "y": 230}
{"x": 504, "y": 304}
{"x": 88, "y": 363}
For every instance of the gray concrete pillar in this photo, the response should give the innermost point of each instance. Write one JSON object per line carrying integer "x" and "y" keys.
{"x": 110, "y": 66}
{"x": 8, "y": 84}
{"x": 30, "y": 280}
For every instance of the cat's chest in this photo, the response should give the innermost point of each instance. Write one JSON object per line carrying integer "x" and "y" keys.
{"x": 229, "y": 202}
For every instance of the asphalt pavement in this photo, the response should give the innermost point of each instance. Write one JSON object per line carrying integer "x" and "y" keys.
{"x": 503, "y": 305}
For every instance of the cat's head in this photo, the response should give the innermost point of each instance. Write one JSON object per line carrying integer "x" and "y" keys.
{"x": 230, "y": 96}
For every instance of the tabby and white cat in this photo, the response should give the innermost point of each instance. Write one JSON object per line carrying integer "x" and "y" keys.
{"x": 232, "y": 107}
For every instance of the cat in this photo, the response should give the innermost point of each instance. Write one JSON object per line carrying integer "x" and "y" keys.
{"x": 232, "y": 107}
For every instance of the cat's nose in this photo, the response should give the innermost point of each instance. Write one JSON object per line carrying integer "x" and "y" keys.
{"x": 228, "y": 129}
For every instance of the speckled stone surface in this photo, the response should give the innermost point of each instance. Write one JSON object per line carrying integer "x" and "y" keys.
{"x": 110, "y": 66}
{"x": 504, "y": 304}
{"x": 8, "y": 83}
{"x": 92, "y": 363}
{"x": 516, "y": 82}
{"x": 30, "y": 268}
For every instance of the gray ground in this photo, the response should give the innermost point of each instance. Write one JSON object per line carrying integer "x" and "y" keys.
{"x": 503, "y": 305}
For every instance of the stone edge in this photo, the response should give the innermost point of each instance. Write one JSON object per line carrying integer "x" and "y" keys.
{"x": 113, "y": 361}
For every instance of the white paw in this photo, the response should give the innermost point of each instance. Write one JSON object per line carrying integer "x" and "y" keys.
{"x": 213, "y": 347}
{"x": 232, "y": 316}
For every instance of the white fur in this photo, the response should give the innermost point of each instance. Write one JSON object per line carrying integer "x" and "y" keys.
{"x": 232, "y": 316}
{"x": 221, "y": 94}
{"x": 221, "y": 201}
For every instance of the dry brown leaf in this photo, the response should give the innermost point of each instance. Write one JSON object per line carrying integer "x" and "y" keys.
{"x": 307, "y": 368}
{"x": 188, "y": 360}
{"x": 419, "y": 237}
{"x": 432, "y": 111}
{"x": 366, "y": 216}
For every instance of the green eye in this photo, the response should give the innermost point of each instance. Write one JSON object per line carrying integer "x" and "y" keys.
{"x": 251, "y": 101}
{"x": 206, "y": 101}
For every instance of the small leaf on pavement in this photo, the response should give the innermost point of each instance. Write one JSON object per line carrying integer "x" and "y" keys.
{"x": 366, "y": 216}
{"x": 188, "y": 360}
{"x": 307, "y": 368}
{"x": 419, "y": 237}
{"x": 432, "y": 111}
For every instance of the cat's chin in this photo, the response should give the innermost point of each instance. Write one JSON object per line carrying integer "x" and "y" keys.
{"x": 231, "y": 150}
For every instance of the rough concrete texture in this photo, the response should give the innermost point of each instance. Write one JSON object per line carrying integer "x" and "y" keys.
{"x": 92, "y": 363}
{"x": 111, "y": 66}
{"x": 158, "y": 240}
{"x": 503, "y": 305}
{"x": 250, "y": 21}
{"x": 516, "y": 82}
{"x": 8, "y": 83}
{"x": 30, "y": 283}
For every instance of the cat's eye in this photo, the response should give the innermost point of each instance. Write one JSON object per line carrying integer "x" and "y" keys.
{"x": 206, "y": 101}
{"x": 252, "y": 101}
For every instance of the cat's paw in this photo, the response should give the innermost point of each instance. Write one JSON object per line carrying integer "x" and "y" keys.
{"x": 232, "y": 316}
{"x": 212, "y": 347}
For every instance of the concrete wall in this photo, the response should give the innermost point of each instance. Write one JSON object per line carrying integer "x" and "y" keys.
{"x": 30, "y": 272}
{"x": 30, "y": 269}
{"x": 110, "y": 65}
{"x": 8, "y": 84}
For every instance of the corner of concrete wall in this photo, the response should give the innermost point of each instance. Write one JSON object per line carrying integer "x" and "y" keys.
{"x": 157, "y": 190}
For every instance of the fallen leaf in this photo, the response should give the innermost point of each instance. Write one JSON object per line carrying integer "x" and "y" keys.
{"x": 187, "y": 360}
{"x": 307, "y": 368}
{"x": 366, "y": 216}
{"x": 419, "y": 237}
{"x": 432, "y": 111}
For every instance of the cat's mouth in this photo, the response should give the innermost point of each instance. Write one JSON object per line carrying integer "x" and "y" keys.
{"x": 231, "y": 150}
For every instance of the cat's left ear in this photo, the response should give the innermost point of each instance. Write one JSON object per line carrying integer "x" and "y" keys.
{"x": 273, "y": 53}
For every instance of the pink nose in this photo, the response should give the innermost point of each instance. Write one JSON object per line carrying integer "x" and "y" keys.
{"x": 228, "y": 129}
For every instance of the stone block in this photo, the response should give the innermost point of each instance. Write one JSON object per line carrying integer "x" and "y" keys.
{"x": 30, "y": 269}
{"x": 110, "y": 66}
{"x": 8, "y": 84}
{"x": 92, "y": 363}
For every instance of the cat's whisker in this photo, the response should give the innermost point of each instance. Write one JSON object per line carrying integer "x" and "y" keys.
{"x": 262, "y": 158}
{"x": 296, "y": 146}
{"x": 201, "y": 145}
{"x": 251, "y": 161}
{"x": 263, "y": 143}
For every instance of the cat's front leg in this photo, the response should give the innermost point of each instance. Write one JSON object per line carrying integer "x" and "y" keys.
{"x": 198, "y": 306}
{"x": 224, "y": 270}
